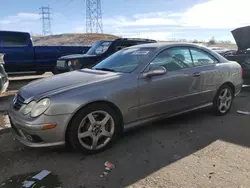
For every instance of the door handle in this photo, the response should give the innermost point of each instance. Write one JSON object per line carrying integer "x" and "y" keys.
{"x": 196, "y": 74}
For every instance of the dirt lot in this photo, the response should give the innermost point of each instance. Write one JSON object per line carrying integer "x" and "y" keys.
{"x": 193, "y": 150}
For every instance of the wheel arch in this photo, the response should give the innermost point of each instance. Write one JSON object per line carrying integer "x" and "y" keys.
{"x": 112, "y": 105}
{"x": 230, "y": 84}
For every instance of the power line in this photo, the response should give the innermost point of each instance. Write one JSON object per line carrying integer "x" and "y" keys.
{"x": 93, "y": 16}
{"x": 46, "y": 18}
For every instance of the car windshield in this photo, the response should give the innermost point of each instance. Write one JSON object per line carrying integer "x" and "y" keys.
{"x": 99, "y": 48}
{"x": 125, "y": 60}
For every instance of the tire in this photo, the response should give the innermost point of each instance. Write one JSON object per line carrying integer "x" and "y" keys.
{"x": 223, "y": 101}
{"x": 94, "y": 132}
{"x": 55, "y": 71}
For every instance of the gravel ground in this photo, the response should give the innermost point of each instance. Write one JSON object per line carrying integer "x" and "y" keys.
{"x": 4, "y": 122}
{"x": 193, "y": 150}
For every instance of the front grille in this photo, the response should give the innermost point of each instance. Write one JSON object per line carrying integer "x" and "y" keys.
{"x": 19, "y": 102}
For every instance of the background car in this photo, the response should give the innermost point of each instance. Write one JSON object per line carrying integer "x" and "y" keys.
{"x": 89, "y": 108}
{"x": 242, "y": 55}
{"x": 223, "y": 51}
{"x": 96, "y": 53}
{"x": 4, "y": 82}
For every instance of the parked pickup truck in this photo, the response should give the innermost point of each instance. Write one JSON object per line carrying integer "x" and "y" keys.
{"x": 22, "y": 56}
{"x": 96, "y": 53}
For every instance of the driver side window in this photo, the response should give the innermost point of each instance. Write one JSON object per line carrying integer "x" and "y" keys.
{"x": 174, "y": 59}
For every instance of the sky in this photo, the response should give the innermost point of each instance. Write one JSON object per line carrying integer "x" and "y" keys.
{"x": 154, "y": 19}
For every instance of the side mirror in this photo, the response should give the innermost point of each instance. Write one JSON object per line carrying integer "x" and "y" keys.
{"x": 155, "y": 71}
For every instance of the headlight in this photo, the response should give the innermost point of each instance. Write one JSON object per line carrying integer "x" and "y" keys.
{"x": 27, "y": 109}
{"x": 69, "y": 63}
{"x": 40, "y": 107}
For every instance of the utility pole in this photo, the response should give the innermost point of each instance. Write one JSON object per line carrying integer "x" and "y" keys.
{"x": 45, "y": 16}
{"x": 93, "y": 16}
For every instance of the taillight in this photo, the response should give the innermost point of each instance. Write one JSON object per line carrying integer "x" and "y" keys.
{"x": 241, "y": 72}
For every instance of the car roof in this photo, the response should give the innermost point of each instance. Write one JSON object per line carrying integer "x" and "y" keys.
{"x": 129, "y": 40}
{"x": 18, "y": 32}
{"x": 166, "y": 44}
{"x": 136, "y": 40}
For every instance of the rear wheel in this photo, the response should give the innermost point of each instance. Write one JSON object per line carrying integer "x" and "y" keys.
{"x": 223, "y": 100}
{"x": 94, "y": 128}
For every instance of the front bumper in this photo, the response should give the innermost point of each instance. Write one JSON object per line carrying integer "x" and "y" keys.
{"x": 69, "y": 65}
{"x": 30, "y": 133}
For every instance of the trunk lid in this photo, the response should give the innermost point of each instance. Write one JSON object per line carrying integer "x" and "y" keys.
{"x": 242, "y": 37}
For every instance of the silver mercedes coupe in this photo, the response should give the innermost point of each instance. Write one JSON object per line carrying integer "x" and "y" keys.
{"x": 89, "y": 108}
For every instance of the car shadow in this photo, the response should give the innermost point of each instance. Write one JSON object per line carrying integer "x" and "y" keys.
{"x": 145, "y": 150}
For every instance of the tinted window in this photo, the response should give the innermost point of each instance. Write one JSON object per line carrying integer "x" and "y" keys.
{"x": 14, "y": 39}
{"x": 201, "y": 58}
{"x": 174, "y": 59}
{"x": 99, "y": 48}
{"x": 121, "y": 46}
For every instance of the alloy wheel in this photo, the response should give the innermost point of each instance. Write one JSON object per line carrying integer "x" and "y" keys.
{"x": 96, "y": 130}
{"x": 225, "y": 100}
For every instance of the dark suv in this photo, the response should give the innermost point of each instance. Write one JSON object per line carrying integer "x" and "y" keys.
{"x": 96, "y": 53}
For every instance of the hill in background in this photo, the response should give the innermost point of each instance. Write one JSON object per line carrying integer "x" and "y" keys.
{"x": 89, "y": 39}
{"x": 71, "y": 39}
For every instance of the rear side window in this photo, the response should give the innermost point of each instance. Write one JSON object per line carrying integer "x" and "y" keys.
{"x": 14, "y": 39}
{"x": 201, "y": 58}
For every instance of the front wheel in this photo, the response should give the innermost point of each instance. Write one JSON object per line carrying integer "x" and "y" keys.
{"x": 55, "y": 71}
{"x": 94, "y": 128}
{"x": 223, "y": 100}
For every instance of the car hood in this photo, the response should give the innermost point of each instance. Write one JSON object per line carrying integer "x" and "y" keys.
{"x": 64, "y": 82}
{"x": 76, "y": 56}
{"x": 241, "y": 37}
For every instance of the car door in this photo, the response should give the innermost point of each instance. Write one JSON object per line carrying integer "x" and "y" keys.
{"x": 207, "y": 71}
{"x": 171, "y": 92}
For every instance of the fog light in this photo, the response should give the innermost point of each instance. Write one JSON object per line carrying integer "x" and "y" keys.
{"x": 46, "y": 127}
{"x": 28, "y": 137}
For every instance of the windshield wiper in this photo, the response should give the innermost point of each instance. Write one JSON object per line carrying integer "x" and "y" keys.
{"x": 105, "y": 69}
